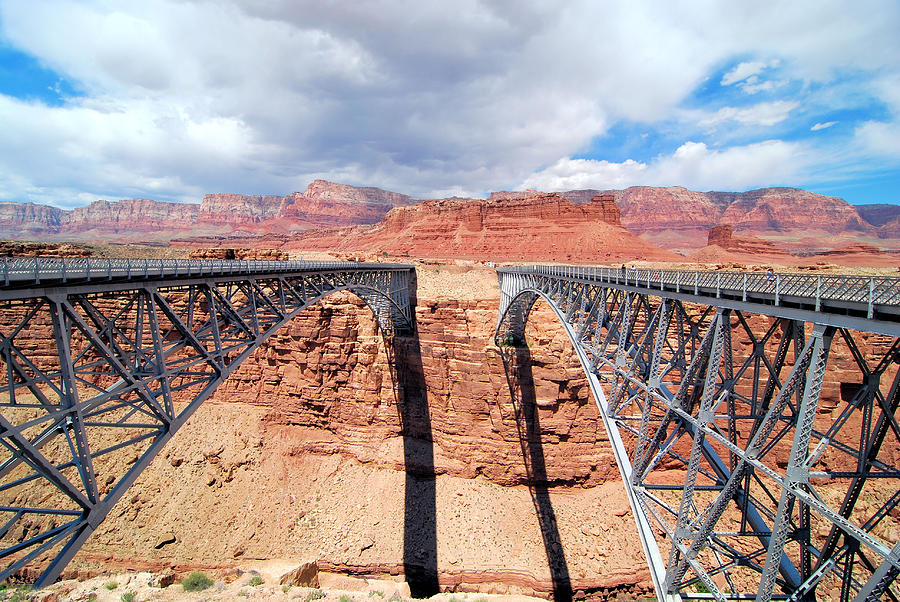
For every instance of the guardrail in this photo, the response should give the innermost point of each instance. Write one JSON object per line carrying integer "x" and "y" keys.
{"x": 816, "y": 288}
{"x": 25, "y": 270}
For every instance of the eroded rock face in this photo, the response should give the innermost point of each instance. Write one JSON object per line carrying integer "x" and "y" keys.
{"x": 722, "y": 236}
{"x": 237, "y": 209}
{"x": 537, "y": 227}
{"x": 29, "y": 218}
{"x": 128, "y": 216}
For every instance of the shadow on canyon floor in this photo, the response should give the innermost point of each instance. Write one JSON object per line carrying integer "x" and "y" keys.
{"x": 517, "y": 364}
{"x": 419, "y": 525}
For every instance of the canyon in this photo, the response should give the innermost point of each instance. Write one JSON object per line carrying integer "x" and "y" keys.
{"x": 310, "y": 450}
{"x": 636, "y": 223}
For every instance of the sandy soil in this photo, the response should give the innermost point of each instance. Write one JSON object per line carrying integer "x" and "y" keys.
{"x": 259, "y": 581}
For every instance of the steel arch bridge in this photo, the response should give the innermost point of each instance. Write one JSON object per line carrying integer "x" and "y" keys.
{"x": 103, "y": 356}
{"x": 753, "y": 418}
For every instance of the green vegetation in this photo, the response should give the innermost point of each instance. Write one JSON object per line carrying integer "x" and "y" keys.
{"x": 285, "y": 589}
{"x": 255, "y": 580}
{"x": 20, "y": 594}
{"x": 372, "y": 594}
{"x": 345, "y": 598}
{"x": 316, "y": 594}
{"x": 196, "y": 581}
{"x": 127, "y": 597}
{"x": 111, "y": 585}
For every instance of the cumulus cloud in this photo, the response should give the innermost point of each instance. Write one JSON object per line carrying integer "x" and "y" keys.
{"x": 763, "y": 114}
{"x": 746, "y": 70}
{"x": 186, "y": 97}
{"x": 693, "y": 165}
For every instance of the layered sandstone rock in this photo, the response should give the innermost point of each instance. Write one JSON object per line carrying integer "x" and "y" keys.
{"x": 787, "y": 209}
{"x": 722, "y": 236}
{"x": 134, "y": 215}
{"x": 542, "y": 227}
{"x": 237, "y": 209}
{"x": 329, "y": 204}
{"x": 29, "y": 218}
{"x": 42, "y": 249}
{"x": 239, "y": 254}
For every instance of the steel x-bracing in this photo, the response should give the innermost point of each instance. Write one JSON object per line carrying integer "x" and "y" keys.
{"x": 102, "y": 361}
{"x": 753, "y": 417}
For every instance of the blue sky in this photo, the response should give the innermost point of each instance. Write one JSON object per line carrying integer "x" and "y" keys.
{"x": 174, "y": 99}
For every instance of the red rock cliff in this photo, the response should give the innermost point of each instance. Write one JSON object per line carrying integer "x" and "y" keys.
{"x": 237, "y": 209}
{"x": 539, "y": 227}
{"x": 133, "y": 215}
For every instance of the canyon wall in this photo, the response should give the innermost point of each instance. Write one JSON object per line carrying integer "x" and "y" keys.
{"x": 324, "y": 204}
{"x": 542, "y": 227}
{"x": 306, "y": 451}
{"x": 311, "y": 448}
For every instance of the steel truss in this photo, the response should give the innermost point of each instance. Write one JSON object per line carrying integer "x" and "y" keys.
{"x": 746, "y": 481}
{"x": 100, "y": 371}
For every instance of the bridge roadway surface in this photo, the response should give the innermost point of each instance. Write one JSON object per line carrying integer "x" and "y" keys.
{"x": 140, "y": 344}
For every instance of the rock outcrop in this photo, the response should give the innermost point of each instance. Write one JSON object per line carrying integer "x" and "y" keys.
{"x": 23, "y": 219}
{"x": 324, "y": 204}
{"x": 722, "y": 237}
{"x": 134, "y": 215}
{"x": 541, "y": 227}
{"x": 237, "y": 209}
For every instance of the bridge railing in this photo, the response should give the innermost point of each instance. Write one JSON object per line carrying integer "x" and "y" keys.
{"x": 869, "y": 291}
{"x": 36, "y": 269}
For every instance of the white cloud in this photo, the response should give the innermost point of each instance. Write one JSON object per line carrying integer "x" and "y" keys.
{"x": 822, "y": 126}
{"x": 745, "y": 70}
{"x": 692, "y": 165}
{"x": 187, "y": 97}
{"x": 881, "y": 138}
{"x": 763, "y": 114}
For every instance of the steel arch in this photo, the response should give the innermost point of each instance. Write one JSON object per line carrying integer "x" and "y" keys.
{"x": 101, "y": 367}
{"x": 759, "y": 510}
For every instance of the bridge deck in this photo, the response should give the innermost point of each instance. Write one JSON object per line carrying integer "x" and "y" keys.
{"x": 22, "y": 277}
{"x": 857, "y": 302}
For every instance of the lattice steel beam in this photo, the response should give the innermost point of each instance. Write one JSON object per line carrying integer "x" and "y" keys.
{"x": 102, "y": 356}
{"x": 715, "y": 381}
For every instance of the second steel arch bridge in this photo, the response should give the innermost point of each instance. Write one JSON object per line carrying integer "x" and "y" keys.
{"x": 753, "y": 418}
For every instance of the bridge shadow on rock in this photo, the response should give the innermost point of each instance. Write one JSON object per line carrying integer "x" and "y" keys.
{"x": 517, "y": 364}
{"x": 419, "y": 525}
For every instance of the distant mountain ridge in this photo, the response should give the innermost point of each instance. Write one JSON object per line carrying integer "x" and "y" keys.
{"x": 673, "y": 217}
{"x": 323, "y": 204}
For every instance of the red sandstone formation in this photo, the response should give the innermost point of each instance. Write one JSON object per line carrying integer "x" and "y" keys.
{"x": 237, "y": 209}
{"x": 42, "y": 249}
{"x": 324, "y": 204}
{"x": 129, "y": 216}
{"x": 723, "y": 245}
{"x": 24, "y": 219}
{"x": 543, "y": 227}
{"x": 239, "y": 254}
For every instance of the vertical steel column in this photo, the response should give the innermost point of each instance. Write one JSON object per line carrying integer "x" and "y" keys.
{"x": 797, "y": 472}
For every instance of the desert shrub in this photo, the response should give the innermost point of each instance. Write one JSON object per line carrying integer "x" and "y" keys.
{"x": 316, "y": 594}
{"x": 345, "y": 598}
{"x": 111, "y": 585}
{"x": 255, "y": 580}
{"x": 127, "y": 597}
{"x": 285, "y": 589}
{"x": 196, "y": 581}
